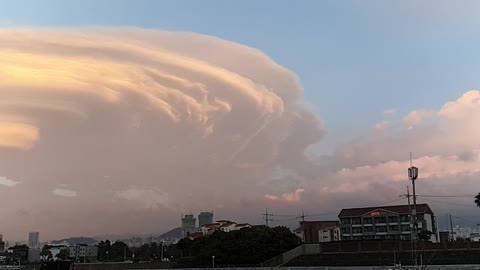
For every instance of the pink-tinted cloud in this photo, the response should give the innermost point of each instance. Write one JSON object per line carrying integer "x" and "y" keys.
{"x": 416, "y": 118}
{"x": 289, "y": 197}
{"x": 382, "y": 127}
{"x": 178, "y": 122}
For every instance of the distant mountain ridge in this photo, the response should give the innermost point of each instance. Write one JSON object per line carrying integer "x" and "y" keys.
{"x": 72, "y": 241}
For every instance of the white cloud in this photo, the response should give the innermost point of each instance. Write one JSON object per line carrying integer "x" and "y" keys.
{"x": 416, "y": 118}
{"x": 390, "y": 111}
{"x": 63, "y": 192}
{"x": 4, "y": 181}
{"x": 381, "y": 128}
{"x": 295, "y": 196}
{"x": 150, "y": 198}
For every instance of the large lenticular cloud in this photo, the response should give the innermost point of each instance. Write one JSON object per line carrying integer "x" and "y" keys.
{"x": 99, "y": 124}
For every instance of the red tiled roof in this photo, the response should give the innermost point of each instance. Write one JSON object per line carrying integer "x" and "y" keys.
{"x": 227, "y": 224}
{"x": 399, "y": 209}
{"x": 212, "y": 225}
{"x": 318, "y": 225}
{"x": 196, "y": 235}
{"x": 224, "y": 221}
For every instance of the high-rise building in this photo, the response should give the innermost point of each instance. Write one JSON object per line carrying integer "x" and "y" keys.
{"x": 34, "y": 240}
{"x": 189, "y": 222}
{"x": 205, "y": 218}
{"x": 2, "y": 244}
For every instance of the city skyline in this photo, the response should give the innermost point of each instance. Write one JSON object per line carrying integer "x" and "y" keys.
{"x": 118, "y": 117}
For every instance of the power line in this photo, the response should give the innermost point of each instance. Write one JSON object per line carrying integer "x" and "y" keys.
{"x": 468, "y": 220}
{"x": 450, "y": 203}
{"x": 447, "y": 196}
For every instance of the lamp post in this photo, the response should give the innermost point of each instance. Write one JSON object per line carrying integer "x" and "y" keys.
{"x": 213, "y": 261}
{"x": 161, "y": 251}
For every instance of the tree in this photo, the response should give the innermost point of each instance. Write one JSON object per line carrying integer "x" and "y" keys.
{"x": 477, "y": 200}
{"x": 63, "y": 254}
{"x": 424, "y": 235}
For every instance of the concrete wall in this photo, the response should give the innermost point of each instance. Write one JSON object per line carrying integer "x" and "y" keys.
{"x": 431, "y": 267}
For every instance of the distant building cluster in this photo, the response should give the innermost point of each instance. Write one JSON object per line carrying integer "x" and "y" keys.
{"x": 221, "y": 225}
{"x": 189, "y": 222}
{"x": 458, "y": 233}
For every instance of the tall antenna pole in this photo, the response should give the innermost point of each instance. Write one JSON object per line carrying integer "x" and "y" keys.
{"x": 413, "y": 175}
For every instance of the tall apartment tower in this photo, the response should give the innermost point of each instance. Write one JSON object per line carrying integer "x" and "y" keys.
{"x": 34, "y": 240}
{"x": 205, "y": 218}
{"x": 189, "y": 222}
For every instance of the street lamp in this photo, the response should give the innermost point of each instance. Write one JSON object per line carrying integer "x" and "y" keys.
{"x": 213, "y": 261}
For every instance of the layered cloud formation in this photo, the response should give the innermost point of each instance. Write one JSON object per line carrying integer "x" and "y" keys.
{"x": 120, "y": 130}
{"x": 129, "y": 120}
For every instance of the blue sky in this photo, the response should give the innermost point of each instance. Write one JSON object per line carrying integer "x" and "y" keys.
{"x": 355, "y": 58}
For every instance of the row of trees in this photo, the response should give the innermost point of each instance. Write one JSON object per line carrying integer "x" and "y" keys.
{"x": 249, "y": 246}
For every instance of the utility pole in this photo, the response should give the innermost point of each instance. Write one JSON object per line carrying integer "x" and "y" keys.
{"x": 411, "y": 220}
{"x": 451, "y": 228}
{"x": 411, "y": 223}
{"x": 267, "y": 215}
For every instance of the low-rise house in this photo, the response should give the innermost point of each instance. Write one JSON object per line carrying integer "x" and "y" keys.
{"x": 318, "y": 231}
{"x": 222, "y": 225}
{"x": 228, "y": 227}
{"x": 83, "y": 253}
{"x": 242, "y": 226}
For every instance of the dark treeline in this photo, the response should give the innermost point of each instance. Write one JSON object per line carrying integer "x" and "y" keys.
{"x": 249, "y": 246}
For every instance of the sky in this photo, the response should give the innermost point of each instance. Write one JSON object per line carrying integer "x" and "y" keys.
{"x": 120, "y": 116}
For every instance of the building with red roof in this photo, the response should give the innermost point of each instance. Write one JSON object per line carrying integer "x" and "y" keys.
{"x": 385, "y": 222}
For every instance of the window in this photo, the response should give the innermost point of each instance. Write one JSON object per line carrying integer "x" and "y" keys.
{"x": 357, "y": 238}
{"x": 357, "y": 230}
{"x": 393, "y": 228}
{"x": 356, "y": 220}
{"x": 381, "y": 229}
{"x": 404, "y": 218}
{"x": 406, "y": 228}
{"x": 368, "y": 229}
{"x": 380, "y": 220}
{"x": 347, "y": 238}
{"x": 393, "y": 219}
{"x": 345, "y": 230}
{"x": 367, "y": 220}
{"x": 345, "y": 221}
